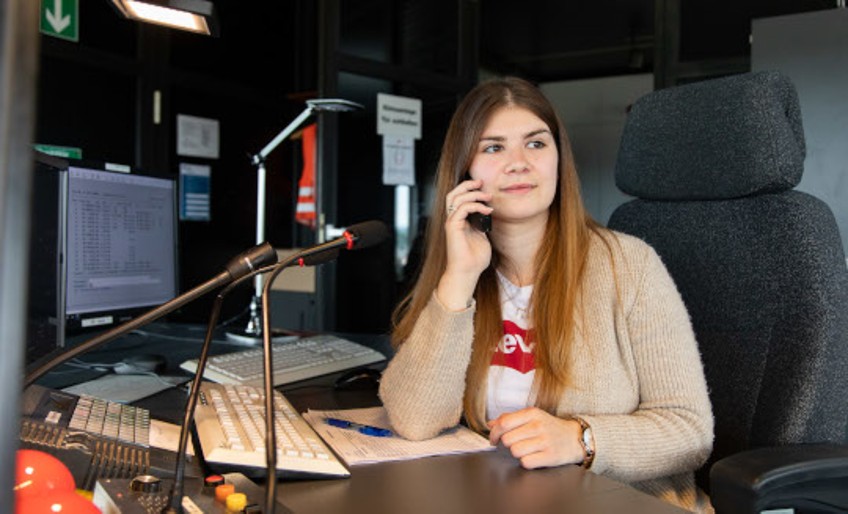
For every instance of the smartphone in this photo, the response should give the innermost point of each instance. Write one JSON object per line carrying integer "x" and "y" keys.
{"x": 482, "y": 222}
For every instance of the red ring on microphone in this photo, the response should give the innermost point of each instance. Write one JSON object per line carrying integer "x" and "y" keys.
{"x": 350, "y": 240}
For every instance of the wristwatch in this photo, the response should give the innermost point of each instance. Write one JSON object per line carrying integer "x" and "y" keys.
{"x": 586, "y": 442}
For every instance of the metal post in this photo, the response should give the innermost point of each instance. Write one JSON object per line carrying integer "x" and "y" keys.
{"x": 19, "y": 42}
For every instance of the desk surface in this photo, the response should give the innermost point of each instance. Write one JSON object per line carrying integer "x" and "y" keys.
{"x": 491, "y": 482}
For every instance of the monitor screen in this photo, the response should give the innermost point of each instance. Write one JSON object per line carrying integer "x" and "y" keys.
{"x": 120, "y": 246}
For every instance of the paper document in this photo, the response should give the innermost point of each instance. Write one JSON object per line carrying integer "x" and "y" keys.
{"x": 167, "y": 436}
{"x": 356, "y": 448}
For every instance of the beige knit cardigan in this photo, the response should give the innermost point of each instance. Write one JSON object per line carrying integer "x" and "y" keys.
{"x": 638, "y": 376}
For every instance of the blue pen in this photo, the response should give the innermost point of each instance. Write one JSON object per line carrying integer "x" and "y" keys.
{"x": 359, "y": 427}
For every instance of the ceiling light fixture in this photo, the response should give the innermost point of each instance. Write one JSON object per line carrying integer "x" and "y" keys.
{"x": 191, "y": 15}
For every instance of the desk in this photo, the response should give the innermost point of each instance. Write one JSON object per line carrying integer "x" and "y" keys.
{"x": 486, "y": 482}
{"x": 490, "y": 482}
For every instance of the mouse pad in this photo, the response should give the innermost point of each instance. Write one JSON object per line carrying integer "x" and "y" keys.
{"x": 125, "y": 388}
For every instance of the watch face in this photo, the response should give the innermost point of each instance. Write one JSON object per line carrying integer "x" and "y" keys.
{"x": 587, "y": 437}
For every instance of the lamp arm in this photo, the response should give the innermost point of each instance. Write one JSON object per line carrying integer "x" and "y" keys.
{"x": 259, "y": 162}
{"x": 286, "y": 132}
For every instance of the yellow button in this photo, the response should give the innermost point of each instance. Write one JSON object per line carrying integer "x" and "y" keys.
{"x": 236, "y": 502}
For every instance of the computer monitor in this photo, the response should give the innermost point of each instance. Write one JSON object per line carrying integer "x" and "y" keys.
{"x": 120, "y": 245}
{"x": 45, "y": 321}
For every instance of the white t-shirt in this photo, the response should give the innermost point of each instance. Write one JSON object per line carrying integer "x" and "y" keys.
{"x": 513, "y": 365}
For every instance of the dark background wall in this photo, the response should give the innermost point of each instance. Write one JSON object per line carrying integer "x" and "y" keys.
{"x": 97, "y": 94}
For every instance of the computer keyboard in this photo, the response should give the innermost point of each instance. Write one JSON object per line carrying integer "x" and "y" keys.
{"x": 307, "y": 357}
{"x": 230, "y": 421}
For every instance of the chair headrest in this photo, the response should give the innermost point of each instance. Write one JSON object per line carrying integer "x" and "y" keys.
{"x": 719, "y": 139}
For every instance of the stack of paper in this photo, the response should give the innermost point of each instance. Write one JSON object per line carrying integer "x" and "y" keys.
{"x": 357, "y": 448}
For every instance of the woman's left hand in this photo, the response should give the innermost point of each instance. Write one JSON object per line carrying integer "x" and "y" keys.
{"x": 538, "y": 439}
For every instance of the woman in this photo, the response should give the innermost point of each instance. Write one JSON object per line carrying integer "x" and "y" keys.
{"x": 566, "y": 342}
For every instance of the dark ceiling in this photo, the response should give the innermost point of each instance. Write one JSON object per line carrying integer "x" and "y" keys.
{"x": 549, "y": 40}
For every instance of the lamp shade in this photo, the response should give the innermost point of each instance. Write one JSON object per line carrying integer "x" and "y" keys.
{"x": 192, "y": 15}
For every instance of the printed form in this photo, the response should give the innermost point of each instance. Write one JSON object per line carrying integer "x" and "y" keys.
{"x": 357, "y": 448}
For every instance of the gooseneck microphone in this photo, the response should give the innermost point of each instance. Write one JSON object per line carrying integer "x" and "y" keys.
{"x": 239, "y": 266}
{"x": 359, "y": 236}
{"x": 305, "y": 258}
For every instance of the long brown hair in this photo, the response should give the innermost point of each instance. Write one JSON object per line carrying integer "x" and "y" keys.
{"x": 560, "y": 259}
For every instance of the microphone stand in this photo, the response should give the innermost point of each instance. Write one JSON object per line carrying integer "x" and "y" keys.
{"x": 348, "y": 241}
{"x": 363, "y": 234}
{"x": 312, "y": 256}
{"x": 177, "y": 492}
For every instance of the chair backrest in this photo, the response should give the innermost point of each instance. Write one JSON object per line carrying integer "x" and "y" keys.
{"x": 760, "y": 266}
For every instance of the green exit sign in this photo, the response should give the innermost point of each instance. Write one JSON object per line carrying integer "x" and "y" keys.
{"x": 68, "y": 152}
{"x": 60, "y": 18}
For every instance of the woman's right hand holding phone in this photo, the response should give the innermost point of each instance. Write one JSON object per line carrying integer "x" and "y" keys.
{"x": 469, "y": 251}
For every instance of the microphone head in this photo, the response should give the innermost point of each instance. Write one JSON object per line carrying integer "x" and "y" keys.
{"x": 252, "y": 259}
{"x": 367, "y": 233}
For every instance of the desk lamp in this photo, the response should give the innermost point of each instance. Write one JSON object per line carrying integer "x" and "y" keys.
{"x": 252, "y": 333}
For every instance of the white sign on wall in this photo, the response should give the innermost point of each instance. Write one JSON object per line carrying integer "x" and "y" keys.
{"x": 197, "y": 137}
{"x": 398, "y": 160}
{"x": 399, "y": 122}
{"x": 398, "y": 116}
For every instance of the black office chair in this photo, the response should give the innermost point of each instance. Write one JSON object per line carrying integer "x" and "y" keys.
{"x": 762, "y": 271}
